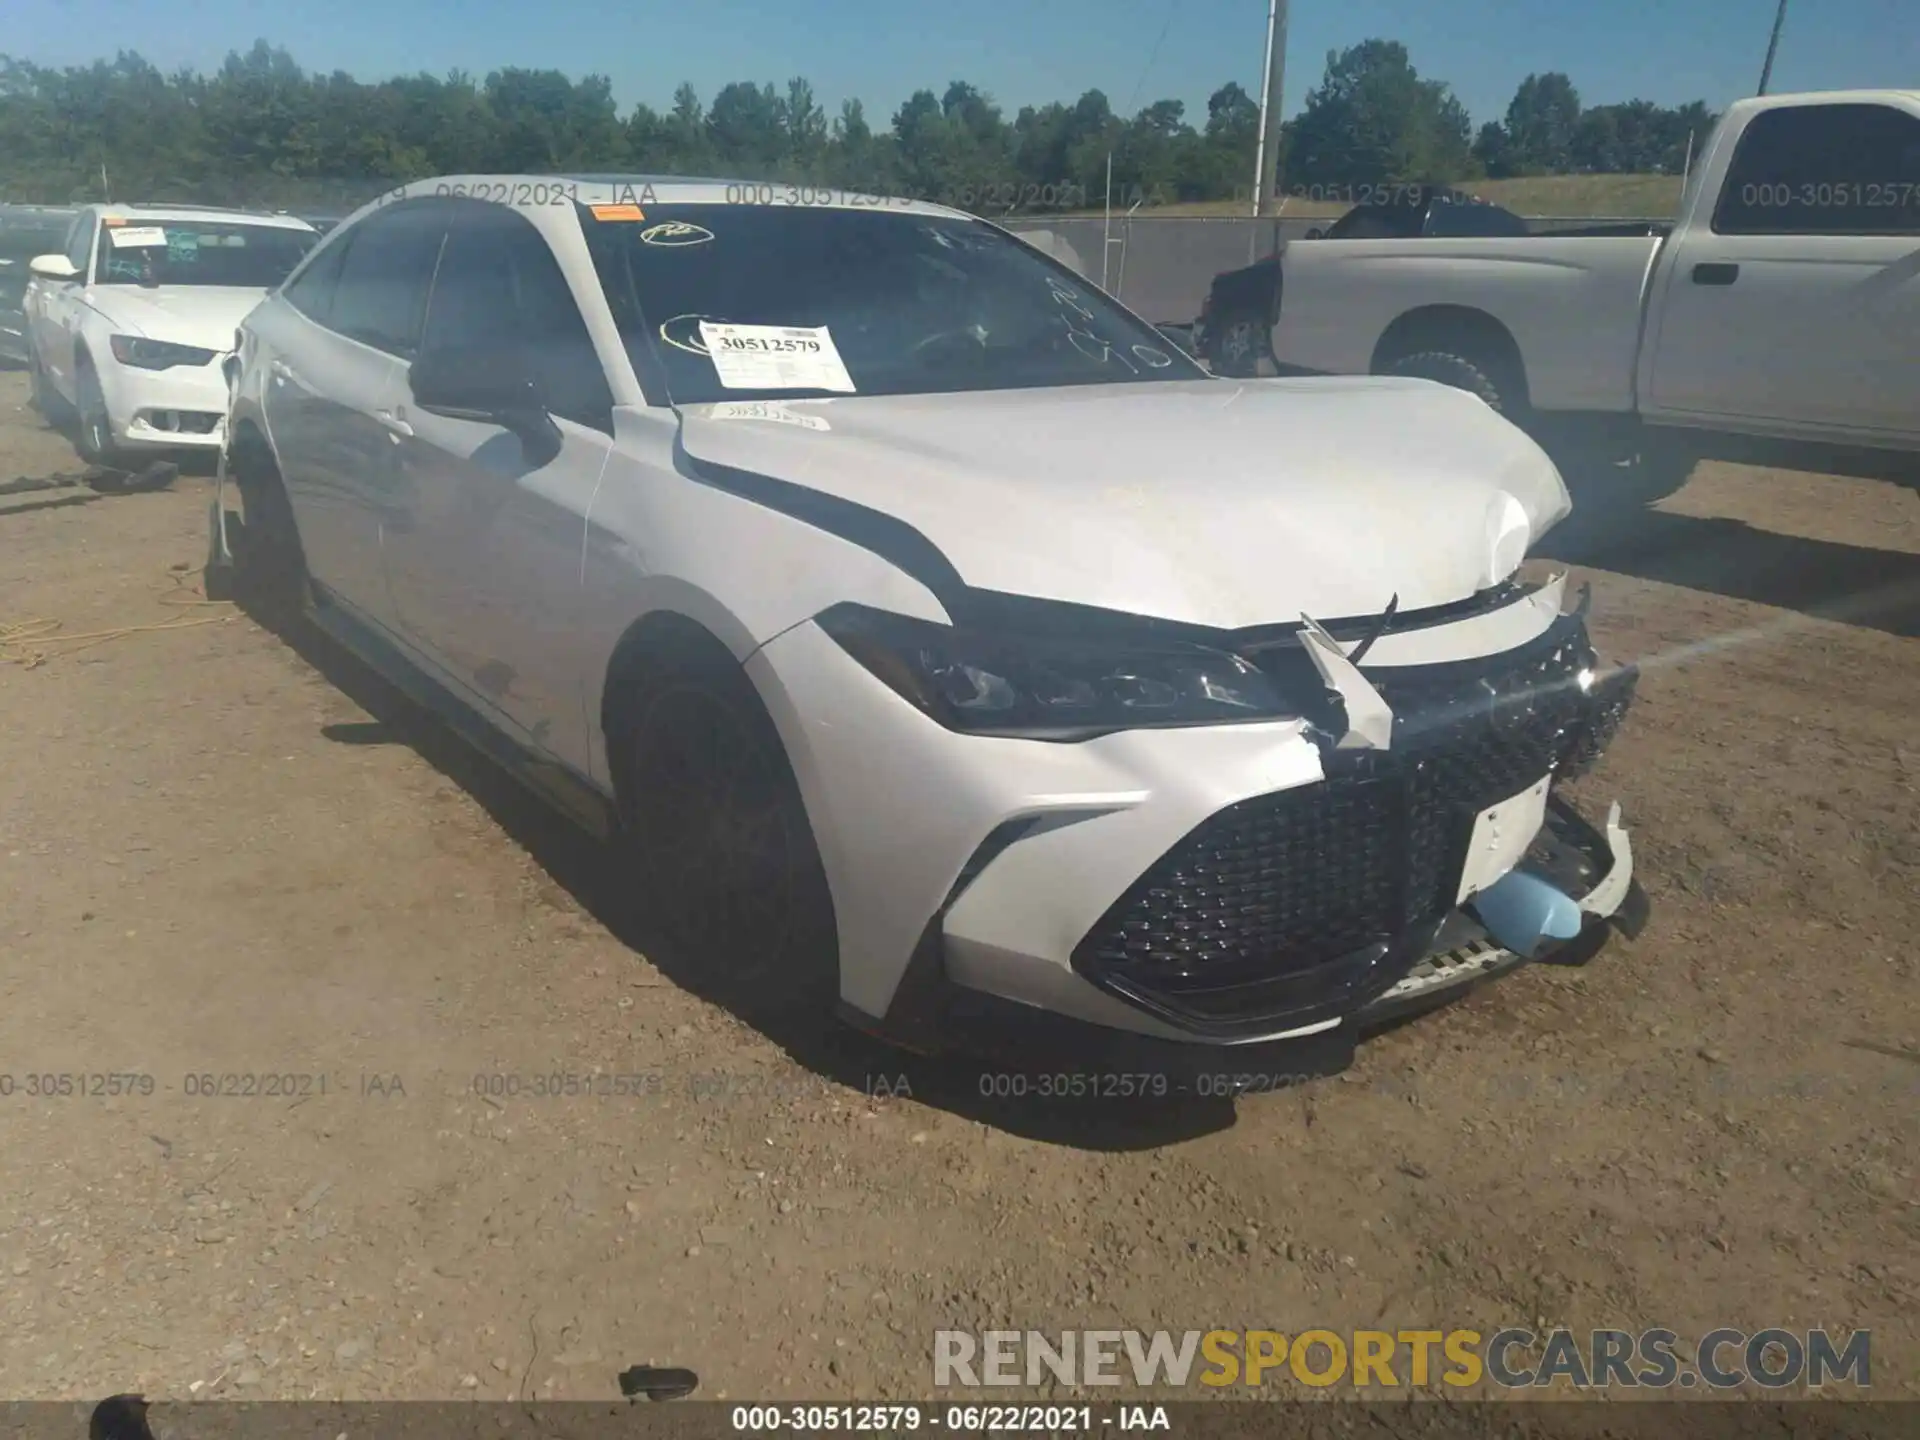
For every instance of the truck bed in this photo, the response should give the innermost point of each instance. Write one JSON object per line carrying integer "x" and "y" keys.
{"x": 1571, "y": 303}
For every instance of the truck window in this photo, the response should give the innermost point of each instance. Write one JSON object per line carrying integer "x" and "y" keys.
{"x": 1824, "y": 170}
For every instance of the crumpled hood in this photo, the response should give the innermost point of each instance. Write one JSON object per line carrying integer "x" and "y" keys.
{"x": 1208, "y": 501}
{"x": 205, "y": 315}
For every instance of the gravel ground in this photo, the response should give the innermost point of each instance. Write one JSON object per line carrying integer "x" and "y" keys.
{"x": 222, "y": 853}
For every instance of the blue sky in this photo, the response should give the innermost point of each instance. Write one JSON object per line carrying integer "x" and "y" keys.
{"x": 1019, "y": 51}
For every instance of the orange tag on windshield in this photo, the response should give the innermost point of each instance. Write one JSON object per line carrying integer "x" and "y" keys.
{"x": 113, "y": 219}
{"x": 618, "y": 212}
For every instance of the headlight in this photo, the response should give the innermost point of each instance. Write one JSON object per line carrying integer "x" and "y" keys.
{"x": 1044, "y": 688}
{"x": 145, "y": 354}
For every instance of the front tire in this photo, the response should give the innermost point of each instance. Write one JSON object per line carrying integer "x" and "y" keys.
{"x": 1619, "y": 472}
{"x": 93, "y": 431}
{"x": 714, "y": 819}
{"x": 270, "y": 566}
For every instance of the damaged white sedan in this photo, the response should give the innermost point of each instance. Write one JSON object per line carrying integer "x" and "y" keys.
{"x": 913, "y": 611}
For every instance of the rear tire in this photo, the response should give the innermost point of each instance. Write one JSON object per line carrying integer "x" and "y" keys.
{"x": 40, "y": 392}
{"x": 715, "y": 822}
{"x": 1240, "y": 342}
{"x": 1503, "y": 393}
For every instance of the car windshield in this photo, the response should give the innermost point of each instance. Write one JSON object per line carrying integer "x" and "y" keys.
{"x": 826, "y": 301}
{"x": 200, "y": 252}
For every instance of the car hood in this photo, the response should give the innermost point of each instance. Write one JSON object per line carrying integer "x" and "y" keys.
{"x": 204, "y": 315}
{"x": 1208, "y": 501}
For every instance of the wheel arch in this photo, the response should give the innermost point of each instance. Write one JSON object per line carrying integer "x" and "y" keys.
{"x": 660, "y": 633}
{"x": 1464, "y": 330}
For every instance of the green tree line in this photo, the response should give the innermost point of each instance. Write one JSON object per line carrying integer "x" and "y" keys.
{"x": 262, "y": 130}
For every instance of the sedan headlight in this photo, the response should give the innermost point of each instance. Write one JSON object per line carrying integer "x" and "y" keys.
{"x": 145, "y": 354}
{"x": 1044, "y": 688}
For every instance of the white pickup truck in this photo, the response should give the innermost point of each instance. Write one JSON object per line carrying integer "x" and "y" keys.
{"x": 1778, "y": 319}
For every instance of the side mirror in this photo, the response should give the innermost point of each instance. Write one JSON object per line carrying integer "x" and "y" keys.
{"x": 491, "y": 384}
{"x": 1316, "y": 233}
{"x": 52, "y": 267}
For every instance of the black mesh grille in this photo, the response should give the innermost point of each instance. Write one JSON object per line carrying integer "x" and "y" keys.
{"x": 1271, "y": 877}
{"x": 1282, "y": 884}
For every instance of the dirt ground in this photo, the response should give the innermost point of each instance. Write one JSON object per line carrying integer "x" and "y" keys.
{"x": 224, "y": 855}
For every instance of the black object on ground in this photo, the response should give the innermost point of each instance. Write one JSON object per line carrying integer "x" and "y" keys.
{"x": 157, "y": 476}
{"x": 657, "y": 1382}
{"x": 120, "y": 1417}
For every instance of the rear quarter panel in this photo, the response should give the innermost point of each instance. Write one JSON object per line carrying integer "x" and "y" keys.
{"x": 1573, "y": 306}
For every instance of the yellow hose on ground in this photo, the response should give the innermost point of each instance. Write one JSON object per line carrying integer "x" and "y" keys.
{"x": 25, "y": 642}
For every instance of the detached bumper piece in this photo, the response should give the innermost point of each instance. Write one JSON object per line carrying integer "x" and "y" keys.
{"x": 1595, "y": 868}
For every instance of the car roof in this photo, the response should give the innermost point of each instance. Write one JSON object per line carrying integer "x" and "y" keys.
{"x": 1827, "y": 97}
{"x": 530, "y": 192}
{"x": 216, "y": 214}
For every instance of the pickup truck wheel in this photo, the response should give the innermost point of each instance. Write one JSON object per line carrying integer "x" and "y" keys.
{"x": 1462, "y": 373}
{"x": 1239, "y": 344}
{"x": 1662, "y": 466}
{"x": 1622, "y": 473}
{"x": 713, "y": 816}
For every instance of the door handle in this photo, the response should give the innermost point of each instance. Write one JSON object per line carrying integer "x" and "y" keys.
{"x": 395, "y": 421}
{"x": 1715, "y": 273}
{"x": 280, "y": 371}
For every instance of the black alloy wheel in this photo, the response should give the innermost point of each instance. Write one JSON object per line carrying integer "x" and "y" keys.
{"x": 717, "y": 823}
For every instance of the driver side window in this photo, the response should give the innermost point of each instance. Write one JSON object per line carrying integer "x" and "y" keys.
{"x": 499, "y": 286}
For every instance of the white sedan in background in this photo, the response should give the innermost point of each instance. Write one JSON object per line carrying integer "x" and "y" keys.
{"x": 127, "y": 324}
{"x": 926, "y": 625}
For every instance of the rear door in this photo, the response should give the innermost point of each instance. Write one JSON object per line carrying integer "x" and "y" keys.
{"x": 1796, "y": 308}
{"x": 338, "y": 338}
{"x": 484, "y": 542}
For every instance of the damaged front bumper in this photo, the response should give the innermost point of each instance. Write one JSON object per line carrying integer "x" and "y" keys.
{"x": 1592, "y": 866}
{"x": 1387, "y": 834}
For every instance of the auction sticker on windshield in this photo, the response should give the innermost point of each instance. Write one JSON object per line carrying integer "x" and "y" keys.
{"x": 135, "y": 235}
{"x": 775, "y": 357}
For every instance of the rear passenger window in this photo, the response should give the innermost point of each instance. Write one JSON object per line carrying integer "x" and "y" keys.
{"x": 1824, "y": 170}
{"x": 499, "y": 285}
{"x": 380, "y": 295}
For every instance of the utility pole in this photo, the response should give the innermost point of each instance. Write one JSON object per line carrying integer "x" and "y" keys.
{"x": 1267, "y": 154}
{"x": 1766, "y": 71}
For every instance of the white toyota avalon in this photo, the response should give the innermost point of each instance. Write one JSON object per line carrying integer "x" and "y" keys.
{"x": 916, "y": 616}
